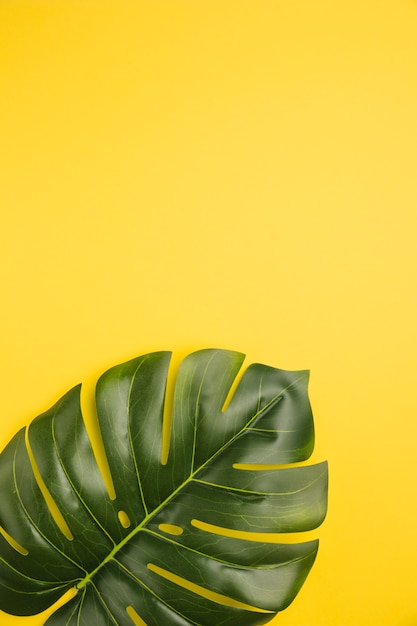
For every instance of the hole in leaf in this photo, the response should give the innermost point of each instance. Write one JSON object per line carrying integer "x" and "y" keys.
{"x": 13, "y": 542}
{"x": 232, "y": 389}
{"x": 136, "y": 619}
{"x": 171, "y": 529}
{"x": 202, "y": 591}
{"x": 52, "y": 505}
{"x": 68, "y": 595}
{"x": 220, "y": 530}
{"x": 249, "y": 536}
{"x": 124, "y": 519}
{"x": 259, "y": 467}
{"x": 89, "y": 412}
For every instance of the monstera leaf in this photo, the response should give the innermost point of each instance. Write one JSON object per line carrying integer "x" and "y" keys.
{"x": 157, "y": 548}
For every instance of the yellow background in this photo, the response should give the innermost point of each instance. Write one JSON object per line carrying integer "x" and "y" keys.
{"x": 179, "y": 174}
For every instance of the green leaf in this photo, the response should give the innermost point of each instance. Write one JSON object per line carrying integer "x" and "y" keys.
{"x": 159, "y": 549}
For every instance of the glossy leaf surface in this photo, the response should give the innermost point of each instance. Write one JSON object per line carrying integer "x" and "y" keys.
{"x": 148, "y": 550}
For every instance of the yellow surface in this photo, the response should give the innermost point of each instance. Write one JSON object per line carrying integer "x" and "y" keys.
{"x": 183, "y": 174}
